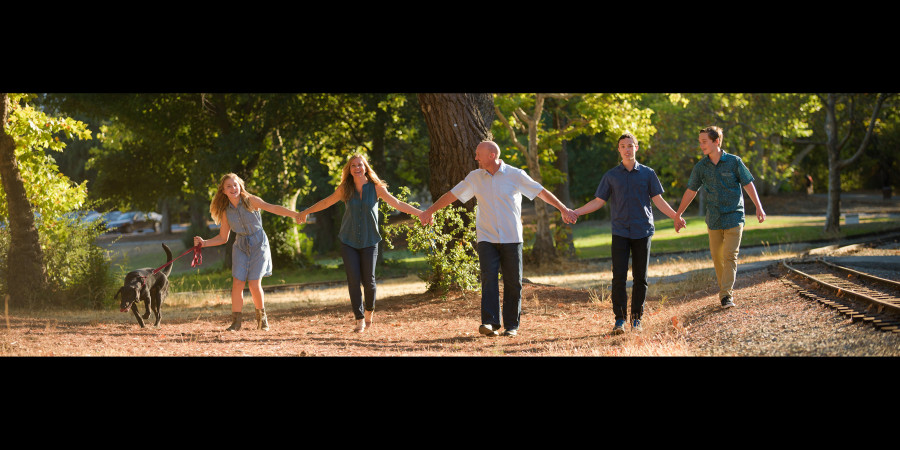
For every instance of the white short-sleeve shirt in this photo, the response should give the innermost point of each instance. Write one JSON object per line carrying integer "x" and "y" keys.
{"x": 498, "y": 214}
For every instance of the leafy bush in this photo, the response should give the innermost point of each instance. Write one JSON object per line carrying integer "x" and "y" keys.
{"x": 78, "y": 269}
{"x": 448, "y": 245}
{"x": 288, "y": 246}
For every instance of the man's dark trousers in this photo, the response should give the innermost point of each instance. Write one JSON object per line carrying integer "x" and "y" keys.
{"x": 639, "y": 251}
{"x": 506, "y": 259}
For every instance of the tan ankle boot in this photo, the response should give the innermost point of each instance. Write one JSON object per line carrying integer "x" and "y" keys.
{"x": 262, "y": 322}
{"x": 235, "y": 322}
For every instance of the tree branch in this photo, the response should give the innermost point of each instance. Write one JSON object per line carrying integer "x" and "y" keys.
{"x": 849, "y": 128}
{"x": 512, "y": 132}
{"x": 869, "y": 132}
{"x": 523, "y": 117}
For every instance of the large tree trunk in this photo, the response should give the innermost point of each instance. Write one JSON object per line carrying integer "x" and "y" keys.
{"x": 543, "y": 251}
{"x": 26, "y": 276}
{"x": 833, "y": 212}
{"x": 564, "y": 237}
{"x": 835, "y": 163}
{"x": 165, "y": 208}
{"x": 456, "y": 123}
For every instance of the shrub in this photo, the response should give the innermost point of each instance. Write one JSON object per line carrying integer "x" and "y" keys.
{"x": 289, "y": 247}
{"x": 78, "y": 270}
{"x": 448, "y": 245}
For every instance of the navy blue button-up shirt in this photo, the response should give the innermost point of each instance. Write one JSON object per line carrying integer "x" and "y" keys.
{"x": 628, "y": 194}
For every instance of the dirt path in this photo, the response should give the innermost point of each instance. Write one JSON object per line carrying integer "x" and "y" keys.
{"x": 556, "y": 321}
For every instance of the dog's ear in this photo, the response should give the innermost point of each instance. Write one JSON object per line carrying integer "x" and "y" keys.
{"x": 118, "y": 293}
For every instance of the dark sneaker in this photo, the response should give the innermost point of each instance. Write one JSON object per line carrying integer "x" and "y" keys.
{"x": 487, "y": 330}
{"x": 636, "y": 325}
{"x": 727, "y": 302}
{"x": 511, "y": 332}
{"x": 619, "y": 328}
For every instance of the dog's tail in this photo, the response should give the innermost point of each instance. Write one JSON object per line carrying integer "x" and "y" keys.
{"x": 169, "y": 260}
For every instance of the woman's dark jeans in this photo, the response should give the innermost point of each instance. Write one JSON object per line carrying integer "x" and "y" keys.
{"x": 639, "y": 250}
{"x": 494, "y": 259}
{"x": 359, "y": 263}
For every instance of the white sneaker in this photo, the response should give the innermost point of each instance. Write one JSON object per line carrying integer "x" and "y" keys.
{"x": 487, "y": 330}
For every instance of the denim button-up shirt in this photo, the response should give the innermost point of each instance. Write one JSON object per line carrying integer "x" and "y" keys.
{"x": 723, "y": 183}
{"x": 359, "y": 227}
{"x": 628, "y": 194}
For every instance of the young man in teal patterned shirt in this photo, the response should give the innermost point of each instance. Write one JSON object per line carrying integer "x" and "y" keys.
{"x": 722, "y": 175}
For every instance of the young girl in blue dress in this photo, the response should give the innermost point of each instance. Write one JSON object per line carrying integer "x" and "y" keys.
{"x": 235, "y": 209}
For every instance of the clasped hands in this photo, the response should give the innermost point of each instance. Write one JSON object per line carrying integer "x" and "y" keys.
{"x": 569, "y": 216}
{"x": 679, "y": 223}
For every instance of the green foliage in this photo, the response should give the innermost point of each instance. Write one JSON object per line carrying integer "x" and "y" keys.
{"x": 35, "y": 133}
{"x": 447, "y": 244}
{"x": 589, "y": 159}
{"x": 760, "y": 128}
{"x": 78, "y": 269}
{"x": 288, "y": 246}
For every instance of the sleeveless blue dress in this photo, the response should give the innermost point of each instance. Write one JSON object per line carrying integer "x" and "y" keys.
{"x": 251, "y": 258}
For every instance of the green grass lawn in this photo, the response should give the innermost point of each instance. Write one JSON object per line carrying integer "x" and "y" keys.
{"x": 398, "y": 263}
{"x": 592, "y": 240}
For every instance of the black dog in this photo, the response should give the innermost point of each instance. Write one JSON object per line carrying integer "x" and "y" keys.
{"x": 144, "y": 285}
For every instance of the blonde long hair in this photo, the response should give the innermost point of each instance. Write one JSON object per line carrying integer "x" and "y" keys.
{"x": 347, "y": 186}
{"x": 220, "y": 202}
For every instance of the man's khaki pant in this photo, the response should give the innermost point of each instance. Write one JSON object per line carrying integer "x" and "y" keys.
{"x": 724, "y": 246}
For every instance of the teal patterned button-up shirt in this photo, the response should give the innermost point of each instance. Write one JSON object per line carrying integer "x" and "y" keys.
{"x": 723, "y": 183}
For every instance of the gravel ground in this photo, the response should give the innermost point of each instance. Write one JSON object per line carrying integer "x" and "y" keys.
{"x": 769, "y": 321}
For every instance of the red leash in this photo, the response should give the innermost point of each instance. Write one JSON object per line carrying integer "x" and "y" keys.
{"x": 198, "y": 259}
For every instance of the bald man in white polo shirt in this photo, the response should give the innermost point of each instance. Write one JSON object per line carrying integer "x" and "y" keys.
{"x": 498, "y": 189}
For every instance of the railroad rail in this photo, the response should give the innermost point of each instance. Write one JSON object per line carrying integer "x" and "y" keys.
{"x": 861, "y": 296}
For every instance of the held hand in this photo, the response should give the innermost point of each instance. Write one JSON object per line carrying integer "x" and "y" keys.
{"x": 569, "y": 216}
{"x": 679, "y": 223}
{"x": 198, "y": 241}
{"x": 301, "y": 217}
{"x": 426, "y": 218}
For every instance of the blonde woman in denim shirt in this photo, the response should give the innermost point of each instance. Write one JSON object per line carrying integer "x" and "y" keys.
{"x": 360, "y": 189}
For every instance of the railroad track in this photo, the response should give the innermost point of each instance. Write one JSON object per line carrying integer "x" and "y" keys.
{"x": 861, "y": 296}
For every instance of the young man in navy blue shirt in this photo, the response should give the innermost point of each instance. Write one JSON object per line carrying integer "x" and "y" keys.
{"x": 629, "y": 188}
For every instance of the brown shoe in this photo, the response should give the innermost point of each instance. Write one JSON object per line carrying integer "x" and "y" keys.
{"x": 235, "y": 322}
{"x": 262, "y": 322}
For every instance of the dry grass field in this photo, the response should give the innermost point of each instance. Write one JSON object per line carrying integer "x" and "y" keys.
{"x": 566, "y": 313}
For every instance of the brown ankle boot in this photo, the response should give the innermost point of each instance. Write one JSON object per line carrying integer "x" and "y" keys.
{"x": 236, "y": 322}
{"x": 262, "y": 323}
